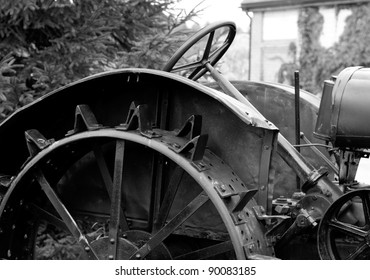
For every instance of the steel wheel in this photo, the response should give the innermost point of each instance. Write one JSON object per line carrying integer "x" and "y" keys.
{"x": 340, "y": 235}
{"x": 170, "y": 210}
{"x": 210, "y": 54}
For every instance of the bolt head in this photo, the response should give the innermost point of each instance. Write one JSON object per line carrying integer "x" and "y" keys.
{"x": 41, "y": 141}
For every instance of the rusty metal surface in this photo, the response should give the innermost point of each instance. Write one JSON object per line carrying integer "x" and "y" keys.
{"x": 168, "y": 168}
{"x": 236, "y": 137}
{"x": 277, "y": 103}
{"x": 112, "y": 91}
{"x": 245, "y": 235}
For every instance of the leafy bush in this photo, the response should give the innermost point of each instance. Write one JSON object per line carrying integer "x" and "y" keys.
{"x": 45, "y": 44}
{"x": 310, "y": 24}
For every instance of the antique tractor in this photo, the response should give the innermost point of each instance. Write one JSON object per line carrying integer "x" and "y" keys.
{"x": 148, "y": 164}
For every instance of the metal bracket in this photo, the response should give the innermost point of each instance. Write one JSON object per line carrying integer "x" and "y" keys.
{"x": 237, "y": 214}
{"x": 266, "y": 172}
{"x": 275, "y": 233}
{"x": 196, "y": 147}
{"x": 138, "y": 118}
{"x": 5, "y": 181}
{"x": 84, "y": 120}
{"x": 36, "y": 141}
{"x": 223, "y": 190}
{"x": 193, "y": 126}
{"x": 259, "y": 211}
{"x": 303, "y": 221}
{"x": 245, "y": 197}
{"x": 313, "y": 177}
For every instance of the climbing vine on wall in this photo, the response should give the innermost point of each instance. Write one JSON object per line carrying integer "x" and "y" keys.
{"x": 310, "y": 24}
{"x": 353, "y": 48}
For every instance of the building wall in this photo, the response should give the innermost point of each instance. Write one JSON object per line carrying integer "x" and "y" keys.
{"x": 273, "y": 33}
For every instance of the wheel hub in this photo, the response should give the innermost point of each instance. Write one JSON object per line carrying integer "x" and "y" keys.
{"x": 138, "y": 238}
{"x": 124, "y": 249}
{"x": 333, "y": 228}
{"x": 128, "y": 244}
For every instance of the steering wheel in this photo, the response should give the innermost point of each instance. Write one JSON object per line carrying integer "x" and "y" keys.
{"x": 208, "y": 56}
{"x": 341, "y": 236}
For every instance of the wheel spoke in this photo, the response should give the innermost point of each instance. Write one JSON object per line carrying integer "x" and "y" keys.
{"x": 347, "y": 229}
{"x": 196, "y": 71}
{"x": 197, "y": 74}
{"x": 156, "y": 189}
{"x": 200, "y": 71}
{"x": 116, "y": 199}
{"x": 47, "y": 216}
{"x": 107, "y": 179}
{"x": 64, "y": 214}
{"x": 207, "y": 252}
{"x": 187, "y": 66}
{"x": 168, "y": 199}
{"x": 164, "y": 232}
{"x": 360, "y": 249}
{"x": 216, "y": 52}
{"x": 208, "y": 46}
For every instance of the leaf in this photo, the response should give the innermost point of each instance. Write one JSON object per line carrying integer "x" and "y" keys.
{"x": 60, "y": 41}
{"x": 2, "y": 97}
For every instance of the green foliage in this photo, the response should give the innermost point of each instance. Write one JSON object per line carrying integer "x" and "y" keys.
{"x": 13, "y": 92}
{"x": 53, "y": 243}
{"x": 56, "y": 244}
{"x": 286, "y": 71}
{"x": 310, "y": 23}
{"x": 317, "y": 63}
{"x": 45, "y": 44}
{"x": 353, "y": 47}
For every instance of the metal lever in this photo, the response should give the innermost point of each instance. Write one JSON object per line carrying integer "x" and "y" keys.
{"x": 259, "y": 211}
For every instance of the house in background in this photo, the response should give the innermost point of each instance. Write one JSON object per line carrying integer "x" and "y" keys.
{"x": 274, "y": 35}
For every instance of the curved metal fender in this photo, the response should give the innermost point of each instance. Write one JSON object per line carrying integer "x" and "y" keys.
{"x": 240, "y": 138}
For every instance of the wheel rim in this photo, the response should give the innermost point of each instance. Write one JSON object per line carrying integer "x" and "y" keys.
{"x": 38, "y": 172}
{"x": 340, "y": 235}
